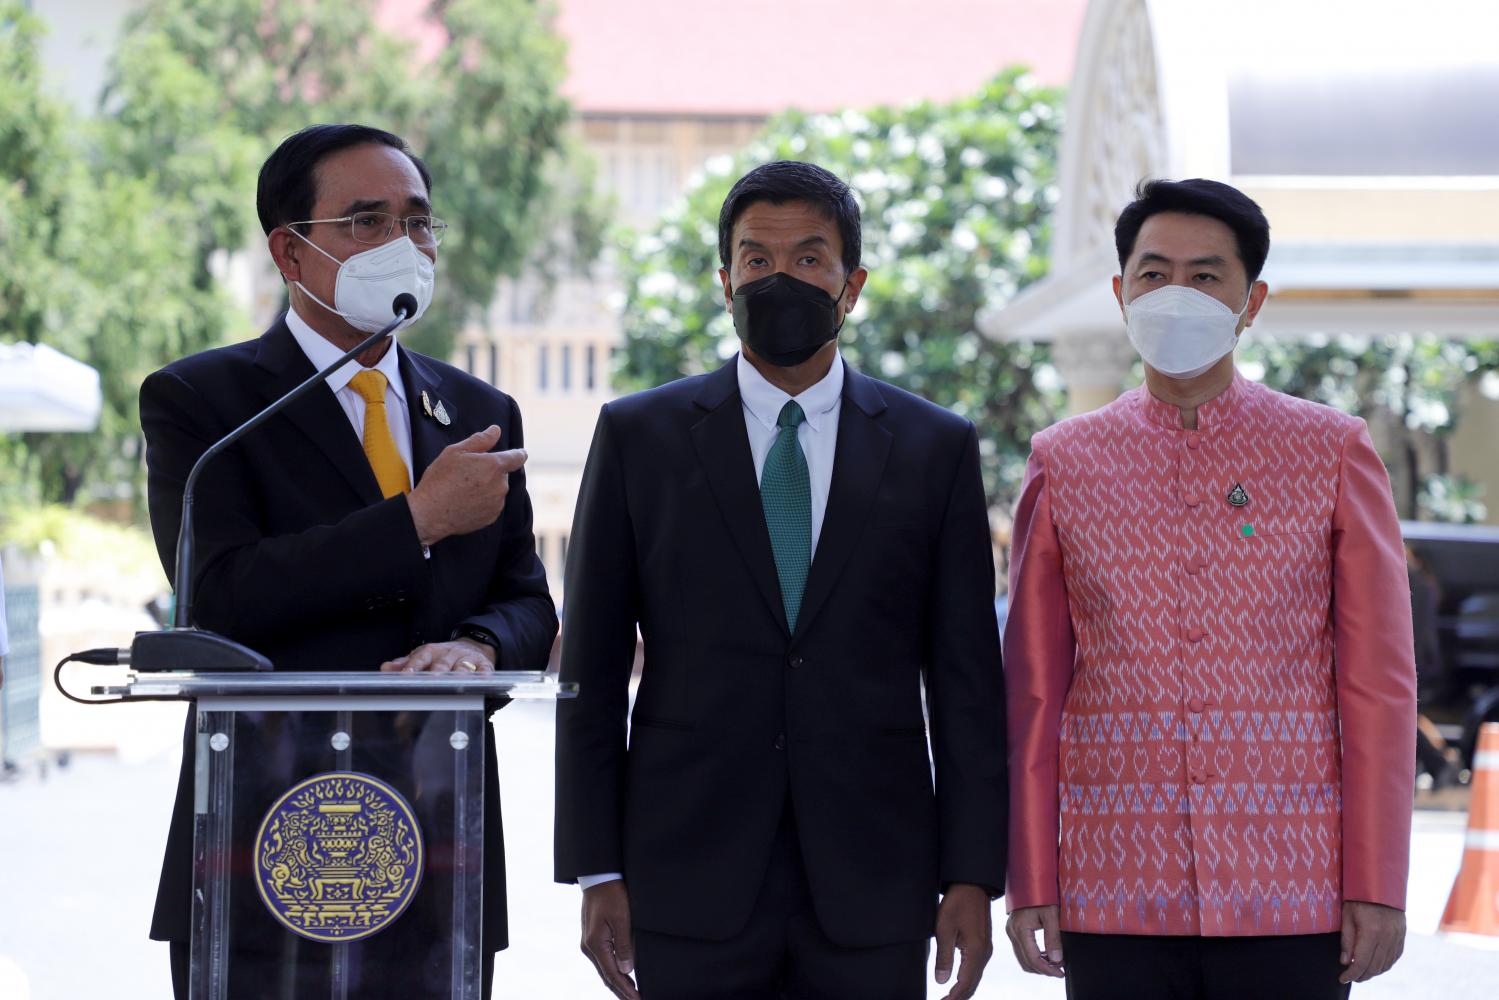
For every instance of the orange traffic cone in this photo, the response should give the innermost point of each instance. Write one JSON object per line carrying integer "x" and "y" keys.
{"x": 1473, "y": 907}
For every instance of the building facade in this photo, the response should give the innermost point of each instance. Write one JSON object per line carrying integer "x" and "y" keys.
{"x": 1371, "y": 140}
{"x": 659, "y": 93}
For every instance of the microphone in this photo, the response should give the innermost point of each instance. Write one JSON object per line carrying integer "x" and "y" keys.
{"x": 403, "y": 303}
{"x": 182, "y": 647}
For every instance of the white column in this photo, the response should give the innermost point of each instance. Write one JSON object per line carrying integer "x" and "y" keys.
{"x": 1095, "y": 364}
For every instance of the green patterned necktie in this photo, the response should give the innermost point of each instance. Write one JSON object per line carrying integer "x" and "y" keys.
{"x": 786, "y": 496}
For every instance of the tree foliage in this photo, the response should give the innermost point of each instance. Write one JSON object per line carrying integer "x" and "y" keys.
{"x": 956, "y": 202}
{"x": 115, "y": 228}
{"x": 88, "y": 264}
{"x": 1408, "y": 387}
{"x": 201, "y": 93}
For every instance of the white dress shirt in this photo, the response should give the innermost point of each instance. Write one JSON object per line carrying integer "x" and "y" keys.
{"x": 818, "y": 436}
{"x": 321, "y": 352}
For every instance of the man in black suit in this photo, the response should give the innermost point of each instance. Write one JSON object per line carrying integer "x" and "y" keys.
{"x": 369, "y": 525}
{"x": 804, "y": 550}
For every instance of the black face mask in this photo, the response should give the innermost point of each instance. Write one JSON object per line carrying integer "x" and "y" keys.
{"x": 785, "y": 320}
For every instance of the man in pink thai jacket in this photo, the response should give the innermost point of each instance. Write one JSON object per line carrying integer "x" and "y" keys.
{"x": 1208, "y": 660}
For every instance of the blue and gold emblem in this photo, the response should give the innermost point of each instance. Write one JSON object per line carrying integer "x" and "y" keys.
{"x": 338, "y": 857}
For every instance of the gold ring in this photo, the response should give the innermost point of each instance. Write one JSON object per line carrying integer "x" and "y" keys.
{"x": 468, "y": 664}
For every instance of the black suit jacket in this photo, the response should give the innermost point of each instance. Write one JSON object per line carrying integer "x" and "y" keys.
{"x": 299, "y": 557}
{"x": 733, "y": 711}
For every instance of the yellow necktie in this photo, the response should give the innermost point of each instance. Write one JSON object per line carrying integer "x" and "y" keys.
{"x": 379, "y": 445}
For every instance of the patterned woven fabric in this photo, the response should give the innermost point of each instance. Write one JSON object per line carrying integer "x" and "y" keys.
{"x": 1204, "y": 741}
{"x": 379, "y": 445}
{"x": 786, "y": 496}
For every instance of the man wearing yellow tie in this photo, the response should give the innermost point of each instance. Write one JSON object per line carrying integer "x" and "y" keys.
{"x": 367, "y": 526}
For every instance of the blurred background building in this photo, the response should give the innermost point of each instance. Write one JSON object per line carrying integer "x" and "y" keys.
{"x": 1372, "y": 143}
{"x": 658, "y": 88}
{"x": 660, "y": 92}
{"x": 1368, "y": 131}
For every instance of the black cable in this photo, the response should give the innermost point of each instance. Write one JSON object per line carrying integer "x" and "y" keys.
{"x": 104, "y": 656}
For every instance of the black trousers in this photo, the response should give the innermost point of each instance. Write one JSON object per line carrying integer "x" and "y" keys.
{"x": 781, "y": 954}
{"x": 1146, "y": 967}
{"x": 268, "y": 981}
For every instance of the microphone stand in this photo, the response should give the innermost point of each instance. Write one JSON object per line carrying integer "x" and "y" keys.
{"x": 181, "y": 646}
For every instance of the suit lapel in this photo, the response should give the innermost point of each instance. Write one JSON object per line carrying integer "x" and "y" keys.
{"x": 723, "y": 448}
{"x": 428, "y": 436}
{"x": 317, "y": 415}
{"x": 858, "y": 463}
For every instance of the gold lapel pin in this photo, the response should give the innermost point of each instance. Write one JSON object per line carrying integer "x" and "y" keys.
{"x": 426, "y": 403}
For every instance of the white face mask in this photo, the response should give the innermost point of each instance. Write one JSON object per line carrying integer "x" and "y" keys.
{"x": 1181, "y": 332}
{"x": 369, "y": 281}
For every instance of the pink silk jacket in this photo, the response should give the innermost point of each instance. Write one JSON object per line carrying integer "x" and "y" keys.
{"x": 1210, "y": 671}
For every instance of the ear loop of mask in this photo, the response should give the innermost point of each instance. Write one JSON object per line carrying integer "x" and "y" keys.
{"x": 839, "y": 328}
{"x": 1238, "y": 333}
{"x": 305, "y": 290}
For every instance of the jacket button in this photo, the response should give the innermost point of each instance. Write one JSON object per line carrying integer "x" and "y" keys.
{"x": 1192, "y": 500}
{"x": 1195, "y": 634}
{"x": 780, "y": 742}
{"x": 1193, "y": 442}
{"x": 794, "y": 662}
{"x": 1198, "y": 778}
{"x": 1197, "y": 704}
{"x": 1193, "y": 568}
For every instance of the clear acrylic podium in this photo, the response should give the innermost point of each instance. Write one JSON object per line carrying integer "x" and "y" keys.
{"x": 338, "y": 842}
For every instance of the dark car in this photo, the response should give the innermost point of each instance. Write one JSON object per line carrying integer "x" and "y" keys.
{"x": 1454, "y": 575}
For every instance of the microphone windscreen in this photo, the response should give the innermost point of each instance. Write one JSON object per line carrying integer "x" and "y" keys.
{"x": 405, "y": 302}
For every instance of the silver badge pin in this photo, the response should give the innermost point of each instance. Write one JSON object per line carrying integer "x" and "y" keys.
{"x": 1237, "y": 497}
{"x": 441, "y": 413}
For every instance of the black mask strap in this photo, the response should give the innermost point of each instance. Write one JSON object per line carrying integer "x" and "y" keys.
{"x": 839, "y": 328}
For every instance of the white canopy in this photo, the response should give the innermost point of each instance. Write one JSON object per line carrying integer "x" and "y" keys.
{"x": 42, "y": 389}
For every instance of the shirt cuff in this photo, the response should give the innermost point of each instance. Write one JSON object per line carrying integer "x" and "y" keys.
{"x": 589, "y": 881}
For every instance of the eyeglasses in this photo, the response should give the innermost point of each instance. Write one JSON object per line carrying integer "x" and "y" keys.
{"x": 376, "y": 227}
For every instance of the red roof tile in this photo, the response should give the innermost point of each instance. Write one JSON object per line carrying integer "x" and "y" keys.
{"x": 756, "y": 57}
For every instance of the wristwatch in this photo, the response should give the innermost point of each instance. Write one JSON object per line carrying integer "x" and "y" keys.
{"x": 475, "y": 633}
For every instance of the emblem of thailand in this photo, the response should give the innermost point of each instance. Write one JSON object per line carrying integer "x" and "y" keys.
{"x": 338, "y": 857}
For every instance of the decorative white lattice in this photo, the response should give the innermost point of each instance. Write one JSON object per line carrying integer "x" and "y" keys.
{"x": 1122, "y": 134}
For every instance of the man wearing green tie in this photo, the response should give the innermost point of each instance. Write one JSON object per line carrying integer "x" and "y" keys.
{"x": 805, "y": 551}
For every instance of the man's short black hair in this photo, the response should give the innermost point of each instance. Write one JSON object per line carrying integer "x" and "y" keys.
{"x": 1228, "y": 205}
{"x": 790, "y": 180}
{"x": 288, "y": 178}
